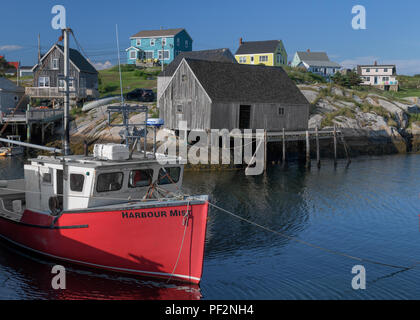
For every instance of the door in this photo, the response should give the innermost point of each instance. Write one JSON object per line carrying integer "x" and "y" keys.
{"x": 244, "y": 117}
{"x": 252, "y": 59}
{"x": 376, "y": 80}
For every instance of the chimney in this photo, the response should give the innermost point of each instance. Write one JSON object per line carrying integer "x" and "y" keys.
{"x": 309, "y": 50}
{"x": 376, "y": 63}
{"x": 240, "y": 41}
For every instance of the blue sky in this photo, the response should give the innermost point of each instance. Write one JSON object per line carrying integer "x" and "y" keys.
{"x": 392, "y": 34}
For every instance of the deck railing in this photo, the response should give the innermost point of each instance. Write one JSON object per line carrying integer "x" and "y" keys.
{"x": 55, "y": 92}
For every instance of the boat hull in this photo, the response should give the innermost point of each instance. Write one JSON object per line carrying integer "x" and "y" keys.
{"x": 164, "y": 241}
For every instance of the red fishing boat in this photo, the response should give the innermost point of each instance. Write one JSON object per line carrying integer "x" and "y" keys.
{"x": 117, "y": 209}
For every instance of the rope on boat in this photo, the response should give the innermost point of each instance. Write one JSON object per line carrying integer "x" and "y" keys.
{"x": 335, "y": 252}
{"x": 185, "y": 223}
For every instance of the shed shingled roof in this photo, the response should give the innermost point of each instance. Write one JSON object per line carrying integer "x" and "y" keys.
{"x": 250, "y": 47}
{"x": 80, "y": 61}
{"x": 230, "y": 82}
{"x": 222, "y": 55}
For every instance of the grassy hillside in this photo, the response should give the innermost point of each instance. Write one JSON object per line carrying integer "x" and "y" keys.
{"x": 109, "y": 83}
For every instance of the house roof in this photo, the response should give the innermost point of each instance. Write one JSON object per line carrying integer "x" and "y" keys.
{"x": 222, "y": 55}
{"x": 316, "y": 59}
{"x": 75, "y": 57}
{"x": 80, "y": 61}
{"x": 373, "y": 66}
{"x": 7, "y": 85}
{"x": 233, "y": 82}
{"x": 250, "y": 47}
{"x": 157, "y": 33}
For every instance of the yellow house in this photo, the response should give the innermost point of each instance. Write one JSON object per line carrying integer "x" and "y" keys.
{"x": 269, "y": 53}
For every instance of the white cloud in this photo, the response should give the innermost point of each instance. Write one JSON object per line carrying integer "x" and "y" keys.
{"x": 102, "y": 65}
{"x": 404, "y": 66}
{"x": 10, "y": 47}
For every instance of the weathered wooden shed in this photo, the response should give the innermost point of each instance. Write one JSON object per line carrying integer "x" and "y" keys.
{"x": 10, "y": 95}
{"x": 223, "y": 95}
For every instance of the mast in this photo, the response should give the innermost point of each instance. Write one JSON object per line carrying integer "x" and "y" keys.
{"x": 66, "y": 142}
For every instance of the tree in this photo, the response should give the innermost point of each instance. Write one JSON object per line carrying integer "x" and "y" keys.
{"x": 348, "y": 80}
{"x": 4, "y": 66}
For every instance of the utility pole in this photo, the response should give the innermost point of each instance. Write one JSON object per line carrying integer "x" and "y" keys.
{"x": 39, "y": 49}
{"x": 163, "y": 53}
{"x": 66, "y": 144}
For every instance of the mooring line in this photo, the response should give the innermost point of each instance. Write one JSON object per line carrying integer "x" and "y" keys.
{"x": 314, "y": 245}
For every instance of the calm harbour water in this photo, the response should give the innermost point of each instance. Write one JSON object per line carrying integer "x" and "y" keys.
{"x": 369, "y": 210}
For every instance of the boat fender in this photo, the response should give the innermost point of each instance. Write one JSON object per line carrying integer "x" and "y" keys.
{"x": 54, "y": 205}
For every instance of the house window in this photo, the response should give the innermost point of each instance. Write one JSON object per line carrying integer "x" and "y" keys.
{"x": 76, "y": 182}
{"x": 186, "y": 43}
{"x": 152, "y": 42}
{"x": 178, "y": 42}
{"x": 140, "y": 178}
{"x": 386, "y": 70}
{"x": 44, "y": 81}
{"x": 252, "y": 59}
{"x": 179, "y": 108}
{"x": 367, "y": 70}
{"x": 61, "y": 83}
{"x": 111, "y": 181}
{"x": 377, "y": 70}
{"x": 133, "y": 54}
{"x": 138, "y": 42}
{"x": 242, "y": 59}
{"x": 165, "y": 55}
{"x": 184, "y": 77}
{"x": 54, "y": 64}
{"x": 164, "y": 41}
{"x": 385, "y": 78}
{"x": 279, "y": 60}
{"x": 169, "y": 175}
{"x": 263, "y": 58}
{"x": 149, "y": 54}
{"x": 281, "y": 112}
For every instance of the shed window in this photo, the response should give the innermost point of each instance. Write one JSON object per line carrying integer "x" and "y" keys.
{"x": 111, "y": 181}
{"x": 281, "y": 112}
{"x": 179, "y": 108}
{"x": 44, "y": 81}
{"x": 184, "y": 77}
{"x": 76, "y": 182}
{"x": 169, "y": 175}
{"x": 140, "y": 178}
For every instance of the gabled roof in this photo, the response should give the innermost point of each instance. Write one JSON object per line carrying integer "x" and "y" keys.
{"x": 75, "y": 57}
{"x": 234, "y": 82}
{"x": 157, "y": 33}
{"x": 317, "y": 59}
{"x": 10, "y": 86}
{"x": 250, "y": 47}
{"x": 222, "y": 55}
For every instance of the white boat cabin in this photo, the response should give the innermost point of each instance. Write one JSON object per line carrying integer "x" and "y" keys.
{"x": 79, "y": 182}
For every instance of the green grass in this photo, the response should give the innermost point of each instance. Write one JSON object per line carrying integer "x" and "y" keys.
{"x": 413, "y": 118}
{"x": 132, "y": 78}
{"x": 329, "y": 117}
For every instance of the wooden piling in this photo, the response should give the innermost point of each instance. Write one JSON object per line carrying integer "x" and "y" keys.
{"x": 335, "y": 145}
{"x": 308, "y": 150}
{"x": 284, "y": 148}
{"x": 265, "y": 151}
{"x": 318, "y": 158}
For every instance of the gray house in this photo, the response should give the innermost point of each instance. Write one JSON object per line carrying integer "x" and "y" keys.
{"x": 48, "y": 77}
{"x": 315, "y": 62}
{"x": 10, "y": 94}
{"x": 224, "y": 95}
{"x": 222, "y": 55}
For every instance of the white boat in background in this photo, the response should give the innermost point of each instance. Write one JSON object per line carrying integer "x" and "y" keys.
{"x": 11, "y": 149}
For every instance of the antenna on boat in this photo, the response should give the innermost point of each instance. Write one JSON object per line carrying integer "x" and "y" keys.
{"x": 134, "y": 136}
{"x": 119, "y": 63}
{"x": 66, "y": 142}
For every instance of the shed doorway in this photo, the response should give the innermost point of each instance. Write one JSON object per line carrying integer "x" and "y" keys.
{"x": 244, "y": 117}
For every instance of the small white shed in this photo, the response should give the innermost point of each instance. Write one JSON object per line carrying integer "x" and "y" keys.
{"x": 10, "y": 95}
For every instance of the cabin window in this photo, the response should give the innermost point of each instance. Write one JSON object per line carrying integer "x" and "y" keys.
{"x": 133, "y": 54}
{"x": 149, "y": 54}
{"x": 138, "y": 42}
{"x": 46, "y": 177}
{"x": 386, "y": 70}
{"x": 184, "y": 77}
{"x": 169, "y": 175}
{"x": 54, "y": 64}
{"x": 152, "y": 42}
{"x": 178, "y": 42}
{"x": 164, "y": 41}
{"x": 186, "y": 43}
{"x": 179, "y": 108}
{"x": 111, "y": 181}
{"x": 140, "y": 178}
{"x": 76, "y": 182}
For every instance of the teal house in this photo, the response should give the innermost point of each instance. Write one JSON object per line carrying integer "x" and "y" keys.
{"x": 163, "y": 45}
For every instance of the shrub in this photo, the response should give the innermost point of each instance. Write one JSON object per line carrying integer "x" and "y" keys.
{"x": 107, "y": 88}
